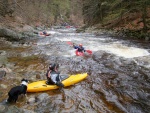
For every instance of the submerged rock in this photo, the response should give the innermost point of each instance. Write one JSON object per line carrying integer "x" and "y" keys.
{"x": 2, "y": 74}
{"x": 2, "y": 109}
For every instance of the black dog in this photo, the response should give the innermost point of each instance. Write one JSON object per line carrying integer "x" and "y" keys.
{"x": 18, "y": 90}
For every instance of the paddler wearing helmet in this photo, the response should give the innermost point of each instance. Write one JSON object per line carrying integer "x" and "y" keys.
{"x": 79, "y": 48}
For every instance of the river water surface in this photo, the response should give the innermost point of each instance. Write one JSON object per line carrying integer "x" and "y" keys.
{"x": 118, "y": 72}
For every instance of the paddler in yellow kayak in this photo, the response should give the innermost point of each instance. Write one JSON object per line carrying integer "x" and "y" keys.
{"x": 53, "y": 76}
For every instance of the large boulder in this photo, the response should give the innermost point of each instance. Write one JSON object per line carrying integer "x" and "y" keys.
{"x": 9, "y": 34}
{"x": 27, "y": 28}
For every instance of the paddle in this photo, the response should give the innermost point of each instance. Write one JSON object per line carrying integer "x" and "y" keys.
{"x": 70, "y": 43}
{"x": 88, "y": 51}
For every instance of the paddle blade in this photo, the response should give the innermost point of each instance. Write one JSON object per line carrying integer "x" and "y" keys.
{"x": 70, "y": 43}
{"x": 89, "y": 51}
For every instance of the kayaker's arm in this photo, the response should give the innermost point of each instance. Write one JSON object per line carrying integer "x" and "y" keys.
{"x": 49, "y": 74}
{"x": 75, "y": 47}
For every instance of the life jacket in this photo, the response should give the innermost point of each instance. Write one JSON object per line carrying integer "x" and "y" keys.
{"x": 80, "y": 49}
{"x": 55, "y": 77}
{"x": 52, "y": 67}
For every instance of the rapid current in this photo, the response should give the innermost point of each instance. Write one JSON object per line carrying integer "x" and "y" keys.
{"x": 118, "y": 73}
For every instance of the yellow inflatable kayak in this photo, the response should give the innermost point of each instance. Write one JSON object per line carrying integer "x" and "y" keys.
{"x": 66, "y": 80}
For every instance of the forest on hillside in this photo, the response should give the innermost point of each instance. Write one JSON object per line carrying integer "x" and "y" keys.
{"x": 45, "y": 12}
{"x": 125, "y": 15}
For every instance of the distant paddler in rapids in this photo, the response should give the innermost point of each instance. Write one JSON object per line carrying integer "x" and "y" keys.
{"x": 44, "y": 33}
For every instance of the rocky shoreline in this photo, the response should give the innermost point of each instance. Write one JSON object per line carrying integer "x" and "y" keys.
{"x": 123, "y": 33}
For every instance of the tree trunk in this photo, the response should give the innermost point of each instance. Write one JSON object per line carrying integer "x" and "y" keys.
{"x": 3, "y": 7}
{"x": 144, "y": 14}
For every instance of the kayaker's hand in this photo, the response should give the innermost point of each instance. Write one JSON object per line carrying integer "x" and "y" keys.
{"x": 73, "y": 44}
{"x": 59, "y": 84}
{"x": 49, "y": 74}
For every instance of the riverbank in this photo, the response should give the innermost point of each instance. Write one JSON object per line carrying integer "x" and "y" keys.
{"x": 121, "y": 33}
{"x": 15, "y": 29}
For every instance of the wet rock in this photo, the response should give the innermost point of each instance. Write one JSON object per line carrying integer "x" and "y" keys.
{"x": 14, "y": 109}
{"x": 38, "y": 76}
{"x": 3, "y": 59}
{"x": 32, "y": 100}
{"x": 80, "y": 30}
{"x": 1, "y": 93}
{"x": 27, "y": 28}
{"x": 7, "y": 70}
{"x": 100, "y": 55}
{"x": 97, "y": 88}
{"x": 2, "y": 74}
{"x": 2, "y": 109}
{"x": 28, "y": 111}
{"x": 1, "y": 65}
{"x": 68, "y": 104}
{"x": 3, "y": 86}
{"x": 2, "y": 52}
{"x": 43, "y": 96}
{"x": 9, "y": 34}
{"x": 85, "y": 106}
{"x": 147, "y": 38}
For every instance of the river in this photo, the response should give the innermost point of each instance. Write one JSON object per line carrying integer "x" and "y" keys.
{"x": 118, "y": 72}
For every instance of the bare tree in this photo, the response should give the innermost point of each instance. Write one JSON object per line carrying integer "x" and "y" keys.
{"x": 3, "y": 7}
